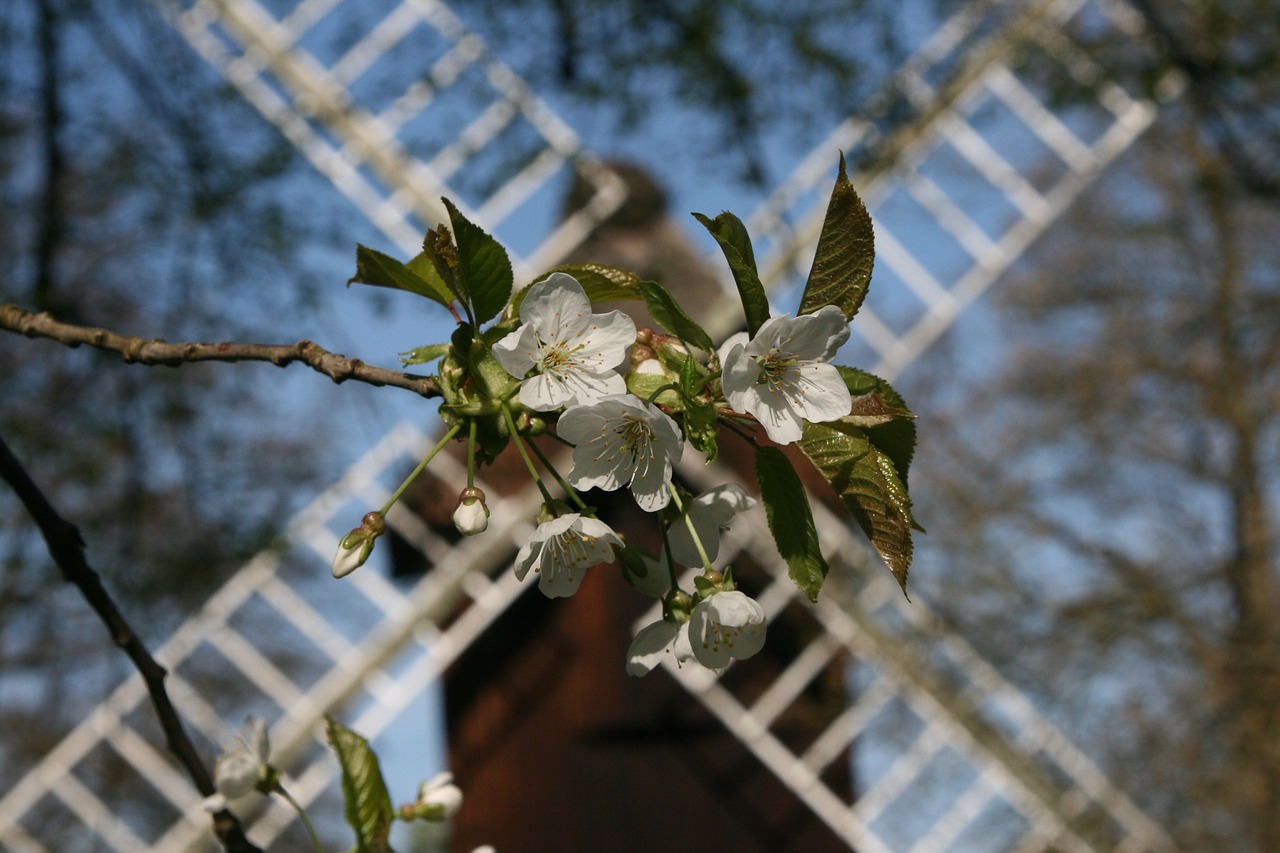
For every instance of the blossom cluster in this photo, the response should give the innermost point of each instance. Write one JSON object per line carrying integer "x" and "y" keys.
{"x": 567, "y": 360}
{"x": 629, "y": 402}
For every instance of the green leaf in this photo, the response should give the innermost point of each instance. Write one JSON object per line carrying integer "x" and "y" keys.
{"x": 897, "y": 438}
{"x": 420, "y": 277}
{"x": 602, "y": 283}
{"x": 700, "y": 427}
{"x": 424, "y": 354}
{"x": 867, "y": 482}
{"x": 484, "y": 270}
{"x": 846, "y": 252}
{"x": 735, "y": 242}
{"x": 368, "y": 805}
{"x": 668, "y": 314}
{"x": 786, "y": 506}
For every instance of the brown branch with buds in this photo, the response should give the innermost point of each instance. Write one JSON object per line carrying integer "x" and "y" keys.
{"x": 67, "y": 549}
{"x": 158, "y": 351}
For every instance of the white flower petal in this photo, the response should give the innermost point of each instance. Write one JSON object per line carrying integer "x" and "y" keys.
{"x": 727, "y": 625}
{"x": 518, "y": 351}
{"x": 817, "y": 336}
{"x": 562, "y": 549}
{"x": 709, "y": 512}
{"x": 605, "y": 340}
{"x": 649, "y": 646}
{"x": 557, "y": 307}
{"x": 823, "y": 394}
{"x": 622, "y": 441}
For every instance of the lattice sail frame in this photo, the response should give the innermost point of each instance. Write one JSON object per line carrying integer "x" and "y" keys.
{"x": 369, "y": 648}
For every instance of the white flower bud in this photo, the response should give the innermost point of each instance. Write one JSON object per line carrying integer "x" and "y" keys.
{"x": 472, "y": 515}
{"x": 441, "y": 791}
{"x": 354, "y": 548}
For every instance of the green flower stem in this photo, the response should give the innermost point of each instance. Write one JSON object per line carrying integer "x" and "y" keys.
{"x": 306, "y": 821}
{"x": 697, "y": 542}
{"x": 471, "y": 456}
{"x": 671, "y": 563}
{"x": 568, "y": 490}
{"x": 671, "y": 386}
{"x": 524, "y": 453}
{"x": 448, "y": 436}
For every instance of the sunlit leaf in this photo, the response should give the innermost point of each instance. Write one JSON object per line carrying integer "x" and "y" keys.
{"x": 735, "y": 242}
{"x": 367, "y": 804}
{"x": 867, "y": 483}
{"x": 419, "y": 276}
{"x": 484, "y": 276}
{"x": 846, "y": 253}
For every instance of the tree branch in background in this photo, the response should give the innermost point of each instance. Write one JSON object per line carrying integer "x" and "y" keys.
{"x": 158, "y": 351}
{"x": 67, "y": 549}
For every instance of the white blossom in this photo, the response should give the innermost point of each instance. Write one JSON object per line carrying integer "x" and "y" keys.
{"x": 242, "y": 766}
{"x": 709, "y": 513}
{"x": 781, "y": 376}
{"x": 472, "y": 514}
{"x": 441, "y": 792}
{"x": 726, "y": 625}
{"x": 623, "y": 441}
{"x": 574, "y": 351}
{"x": 654, "y": 641}
{"x": 562, "y": 549}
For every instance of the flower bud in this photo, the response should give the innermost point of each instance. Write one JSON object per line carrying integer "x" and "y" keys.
{"x": 472, "y": 515}
{"x": 357, "y": 545}
{"x": 437, "y": 800}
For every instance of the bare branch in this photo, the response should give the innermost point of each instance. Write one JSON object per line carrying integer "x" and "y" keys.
{"x": 67, "y": 549}
{"x": 337, "y": 367}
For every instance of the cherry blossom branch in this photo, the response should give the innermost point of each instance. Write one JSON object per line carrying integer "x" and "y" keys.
{"x": 67, "y": 547}
{"x": 156, "y": 351}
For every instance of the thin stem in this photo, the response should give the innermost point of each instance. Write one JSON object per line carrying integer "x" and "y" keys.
{"x": 306, "y": 821}
{"x": 471, "y": 456}
{"x": 697, "y": 540}
{"x": 568, "y": 490}
{"x": 524, "y": 454}
{"x": 671, "y": 562}
{"x": 670, "y": 386}
{"x": 453, "y": 430}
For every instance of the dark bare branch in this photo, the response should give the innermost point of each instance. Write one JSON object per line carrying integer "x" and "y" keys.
{"x": 66, "y": 546}
{"x": 157, "y": 351}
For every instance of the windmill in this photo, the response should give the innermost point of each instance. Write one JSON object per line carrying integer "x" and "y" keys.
{"x": 954, "y": 208}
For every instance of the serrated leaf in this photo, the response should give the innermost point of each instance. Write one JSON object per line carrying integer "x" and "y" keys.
{"x": 375, "y": 268}
{"x": 484, "y": 269}
{"x": 896, "y": 439}
{"x": 424, "y": 354}
{"x": 367, "y": 804}
{"x": 667, "y": 313}
{"x": 866, "y": 480}
{"x": 600, "y": 282}
{"x": 871, "y": 410}
{"x": 735, "y": 242}
{"x": 846, "y": 253}
{"x": 786, "y": 506}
